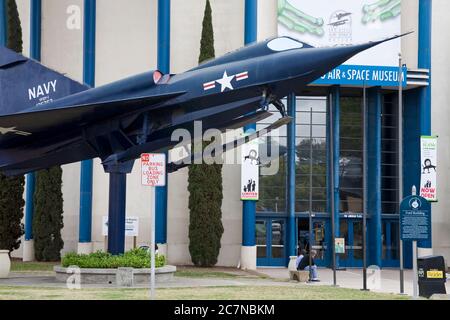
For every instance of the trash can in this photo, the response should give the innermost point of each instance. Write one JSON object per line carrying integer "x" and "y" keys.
{"x": 432, "y": 275}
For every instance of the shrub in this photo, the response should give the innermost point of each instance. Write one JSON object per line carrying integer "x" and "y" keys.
{"x": 11, "y": 188}
{"x": 136, "y": 258}
{"x": 48, "y": 215}
{"x": 205, "y": 185}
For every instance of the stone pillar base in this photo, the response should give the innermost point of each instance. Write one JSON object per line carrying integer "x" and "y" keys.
{"x": 248, "y": 258}
{"x": 84, "y": 248}
{"x": 28, "y": 251}
{"x": 162, "y": 249}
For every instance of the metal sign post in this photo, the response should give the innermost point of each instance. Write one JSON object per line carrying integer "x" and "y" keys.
{"x": 415, "y": 225}
{"x": 332, "y": 207}
{"x": 364, "y": 188}
{"x": 310, "y": 194}
{"x": 153, "y": 174}
{"x": 400, "y": 161}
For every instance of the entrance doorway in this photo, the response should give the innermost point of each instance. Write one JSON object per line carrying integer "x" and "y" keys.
{"x": 271, "y": 242}
{"x": 352, "y": 231}
{"x": 319, "y": 240}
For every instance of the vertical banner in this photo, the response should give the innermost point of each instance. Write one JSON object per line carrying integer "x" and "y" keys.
{"x": 250, "y": 171}
{"x": 428, "y": 180}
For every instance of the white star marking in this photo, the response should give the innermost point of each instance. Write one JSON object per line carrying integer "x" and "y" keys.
{"x": 225, "y": 82}
{"x": 4, "y": 131}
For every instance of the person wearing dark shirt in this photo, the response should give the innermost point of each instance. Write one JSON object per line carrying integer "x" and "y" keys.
{"x": 304, "y": 265}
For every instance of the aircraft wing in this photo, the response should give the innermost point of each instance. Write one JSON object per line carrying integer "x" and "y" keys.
{"x": 23, "y": 127}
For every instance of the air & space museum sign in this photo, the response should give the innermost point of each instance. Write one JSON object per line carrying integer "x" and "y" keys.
{"x": 329, "y": 23}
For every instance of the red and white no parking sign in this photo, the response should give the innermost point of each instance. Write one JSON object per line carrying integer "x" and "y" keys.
{"x": 153, "y": 169}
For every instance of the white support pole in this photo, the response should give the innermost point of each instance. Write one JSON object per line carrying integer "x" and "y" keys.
{"x": 152, "y": 245}
{"x": 415, "y": 275}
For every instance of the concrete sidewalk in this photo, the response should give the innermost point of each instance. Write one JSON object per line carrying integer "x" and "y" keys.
{"x": 350, "y": 278}
{"x": 389, "y": 281}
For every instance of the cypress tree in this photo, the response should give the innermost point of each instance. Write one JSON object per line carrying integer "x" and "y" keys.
{"x": 205, "y": 185}
{"x": 11, "y": 188}
{"x": 48, "y": 218}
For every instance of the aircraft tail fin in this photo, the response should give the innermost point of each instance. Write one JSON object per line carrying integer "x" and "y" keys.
{"x": 25, "y": 83}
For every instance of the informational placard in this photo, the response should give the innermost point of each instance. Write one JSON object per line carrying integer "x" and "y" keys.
{"x": 329, "y": 23}
{"x": 153, "y": 169}
{"x": 415, "y": 219}
{"x": 250, "y": 171}
{"x": 428, "y": 180}
{"x": 339, "y": 245}
{"x": 131, "y": 226}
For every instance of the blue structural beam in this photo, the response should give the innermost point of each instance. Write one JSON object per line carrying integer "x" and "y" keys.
{"x": 249, "y": 207}
{"x": 411, "y": 147}
{"x": 373, "y": 133}
{"x": 424, "y": 62}
{"x": 3, "y": 25}
{"x": 291, "y": 165}
{"x": 163, "y": 66}
{"x": 35, "y": 53}
{"x": 88, "y": 78}
{"x": 117, "y": 213}
{"x": 335, "y": 135}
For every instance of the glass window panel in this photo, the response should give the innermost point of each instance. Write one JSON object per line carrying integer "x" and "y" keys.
{"x": 318, "y": 104}
{"x": 395, "y": 240}
{"x": 343, "y": 233}
{"x": 277, "y": 239}
{"x": 261, "y": 232}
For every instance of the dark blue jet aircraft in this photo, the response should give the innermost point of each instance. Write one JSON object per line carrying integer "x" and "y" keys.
{"x": 48, "y": 119}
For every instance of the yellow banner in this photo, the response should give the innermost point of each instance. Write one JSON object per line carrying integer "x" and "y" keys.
{"x": 435, "y": 274}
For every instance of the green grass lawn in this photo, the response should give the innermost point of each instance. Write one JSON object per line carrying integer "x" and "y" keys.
{"x": 19, "y": 266}
{"x": 301, "y": 292}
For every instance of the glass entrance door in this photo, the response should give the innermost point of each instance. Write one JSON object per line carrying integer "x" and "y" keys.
{"x": 319, "y": 241}
{"x": 390, "y": 238}
{"x": 270, "y": 242}
{"x": 352, "y": 231}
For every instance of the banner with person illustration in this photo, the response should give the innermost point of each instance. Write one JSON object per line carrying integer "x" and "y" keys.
{"x": 250, "y": 171}
{"x": 428, "y": 181}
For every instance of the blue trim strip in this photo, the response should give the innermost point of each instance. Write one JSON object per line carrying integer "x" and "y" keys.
{"x": 35, "y": 32}
{"x": 424, "y": 61}
{"x": 374, "y": 175}
{"x": 35, "y": 53}
{"x": 3, "y": 25}
{"x": 164, "y": 66}
{"x": 291, "y": 196}
{"x": 85, "y": 232}
{"x": 335, "y": 109}
{"x": 249, "y": 207}
{"x": 29, "y": 209}
{"x": 251, "y": 21}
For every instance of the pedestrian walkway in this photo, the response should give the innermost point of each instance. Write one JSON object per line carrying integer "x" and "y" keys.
{"x": 388, "y": 282}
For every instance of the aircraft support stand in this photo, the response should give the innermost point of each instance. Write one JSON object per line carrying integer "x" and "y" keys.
{"x": 117, "y": 206}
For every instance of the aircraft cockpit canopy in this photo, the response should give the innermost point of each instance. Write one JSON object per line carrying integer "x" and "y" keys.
{"x": 285, "y": 43}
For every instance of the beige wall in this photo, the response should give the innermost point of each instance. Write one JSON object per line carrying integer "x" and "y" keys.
{"x": 127, "y": 44}
{"x": 410, "y": 22}
{"x": 440, "y": 120}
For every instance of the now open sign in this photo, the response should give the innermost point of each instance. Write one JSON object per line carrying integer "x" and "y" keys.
{"x": 153, "y": 169}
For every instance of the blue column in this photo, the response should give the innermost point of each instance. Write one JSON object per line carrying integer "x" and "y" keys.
{"x": 291, "y": 165}
{"x": 3, "y": 25}
{"x": 35, "y": 29}
{"x": 424, "y": 62}
{"x": 35, "y": 53}
{"x": 373, "y": 132}
{"x": 335, "y": 135}
{"x": 89, "y": 79}
{"x": 117, "y": 213}
{"x": 163, "y": 66}
{"x": 249, "y": 207}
